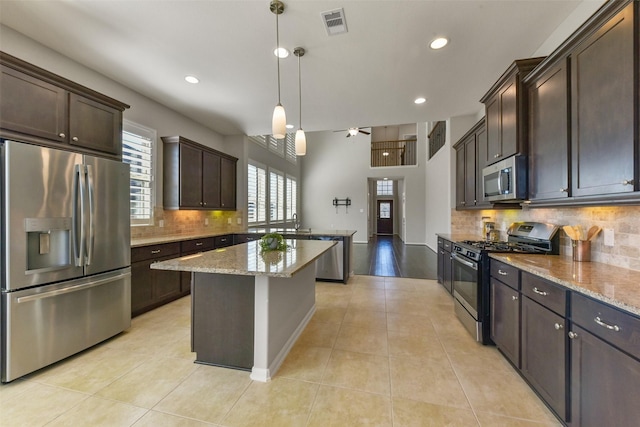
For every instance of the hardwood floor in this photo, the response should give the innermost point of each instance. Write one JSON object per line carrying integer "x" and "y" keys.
{"x": 389, "y": 256}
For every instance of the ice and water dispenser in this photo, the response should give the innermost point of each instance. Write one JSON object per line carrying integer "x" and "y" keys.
{"x": 48, "y": 243}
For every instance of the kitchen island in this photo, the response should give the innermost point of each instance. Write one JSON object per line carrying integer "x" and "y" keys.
{"x": 249, "y": 307}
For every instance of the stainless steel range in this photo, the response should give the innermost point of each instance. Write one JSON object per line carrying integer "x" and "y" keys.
{"x": 471, "y": 270}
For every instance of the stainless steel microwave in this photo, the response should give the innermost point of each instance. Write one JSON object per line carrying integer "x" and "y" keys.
{"x": 505, "y": 181}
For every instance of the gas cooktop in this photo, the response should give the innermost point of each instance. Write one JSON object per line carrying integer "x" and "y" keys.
{"x": 490, "y": 246}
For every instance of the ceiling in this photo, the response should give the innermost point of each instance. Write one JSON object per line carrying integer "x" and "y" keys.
{"x": 366, "y": 77}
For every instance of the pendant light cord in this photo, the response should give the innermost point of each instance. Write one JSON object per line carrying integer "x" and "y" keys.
{"x": 300, "y": 90}
{"x": 278, "y": 55}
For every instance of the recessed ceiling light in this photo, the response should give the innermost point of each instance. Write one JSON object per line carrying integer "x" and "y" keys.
{"x": 438, "y": 43}
{"x": 192, "y": 79}
{"x": 281, "y": 52}
{"x": 420, "y": 100}
{"x": 289, "y": 126}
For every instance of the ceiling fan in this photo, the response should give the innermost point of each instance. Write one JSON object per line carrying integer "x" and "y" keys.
{"x": 353, "y": 131}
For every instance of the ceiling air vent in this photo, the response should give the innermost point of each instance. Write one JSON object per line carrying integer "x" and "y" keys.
{"x": 334, "y": 21}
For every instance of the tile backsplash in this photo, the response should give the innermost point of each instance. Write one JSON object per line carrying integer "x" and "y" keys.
{"x": 623, "y": 220}
{"x": 190, "y": 222}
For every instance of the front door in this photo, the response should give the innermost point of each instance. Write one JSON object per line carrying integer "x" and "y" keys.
{"x": 385, "y": 217}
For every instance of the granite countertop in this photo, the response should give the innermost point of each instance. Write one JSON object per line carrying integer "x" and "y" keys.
{"x": 173, "y": 238}
{"x": 247, "y": 260}
{"x": 459, "y": 237}
{"x": 285, "y": 231}
{"x": 614, "y": 285}
{"x": 303, "y": 232}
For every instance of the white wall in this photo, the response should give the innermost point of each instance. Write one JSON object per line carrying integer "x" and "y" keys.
{"x": 143, "y": 110}
{"x": 339, "y": 167}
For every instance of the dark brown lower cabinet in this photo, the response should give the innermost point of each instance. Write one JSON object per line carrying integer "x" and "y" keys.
{"x": 544, "y": 354}
{"x": 505, "y": 320}
{"x": 152, "y": 288}
{"x": 605, "y": 383}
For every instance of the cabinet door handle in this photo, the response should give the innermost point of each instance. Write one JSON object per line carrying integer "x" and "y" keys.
{"x": 573, "y": 335}
{"x": 495, "y": 156}
{"x": 564, "y": 190}
{"x": 223, "y": 240}
{"x": 627, "y": 182}
{"x": 75, "y": 138}
{"x": 539, "y": 292}
{"x": 514, "y": 298}
{"x": 558, "y": 326}
{"x": 502, "y": 273}
{"x": 600, "y": 322}
{"x": 157, "y": 251}
{"x": 204, "y": 203}
{"x": 199, "y": 244}
{"x": 61, "y": 135}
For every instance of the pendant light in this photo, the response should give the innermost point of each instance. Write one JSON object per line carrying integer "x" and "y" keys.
{"x": 279, "y": 121}
{"x": 301, "y": 139}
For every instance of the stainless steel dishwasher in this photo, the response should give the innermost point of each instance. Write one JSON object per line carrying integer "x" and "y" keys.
{"x": 330, "y": 266}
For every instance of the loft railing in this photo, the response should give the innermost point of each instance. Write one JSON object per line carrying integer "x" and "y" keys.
{"x": 393, "y": 153}
{"x": 437, "y": 138}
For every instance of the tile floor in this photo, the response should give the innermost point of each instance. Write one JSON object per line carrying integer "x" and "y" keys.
{"x": 380, "y": 351}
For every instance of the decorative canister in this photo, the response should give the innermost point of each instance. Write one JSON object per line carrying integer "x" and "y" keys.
{"x": 581, "y": 250}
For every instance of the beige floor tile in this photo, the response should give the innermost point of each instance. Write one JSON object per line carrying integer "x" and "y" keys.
{"x": 305, "y": 363}
{"x": 281, "y": 402}
{"x": 409, "y": 413}
{"x": 364, "y": 372}
{"x": 158, "y": 419}
{"x": 330, "y": 314}
{"x": 14, "y": 390}
{"x": 344, "y": 407}
{"x": 96, "y": 411}
{"x": 430, "y": 380}
{"x": 368, "y": 299}
{"x": 150, "y": 382}
{"x": 492, "y": 420}
{"x": 319, "y": 334}
{"x": 416, "y": 343}
{"x": 90, "y": 372}
{"x": 207, "y": 394}
{"x": 414, "y": 306}
{"x": 367, "y": 282}
{"x": 365, "y": 319}
{"x": 363, "y": 340}
{"x": 44, "y": 404}
{"x": 409, "y": 322}
{"x": 502, "y": 393}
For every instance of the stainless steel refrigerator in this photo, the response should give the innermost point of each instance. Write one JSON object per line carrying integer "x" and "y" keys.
{"x": 66, "y": 278}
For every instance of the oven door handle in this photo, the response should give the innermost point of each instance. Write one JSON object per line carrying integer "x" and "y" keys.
{"x": 464, "y": 261}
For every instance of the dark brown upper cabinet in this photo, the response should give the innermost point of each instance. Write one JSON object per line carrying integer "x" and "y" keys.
{"x": 549, "y": 115}
{"x": 604, "y": 153}
{"x": 40, "y": 107}
{"x": 506, "y": 113}
{"x": 197, "y": 177}
{"x": 469, "y": 149}
{"x": 584, "y": 107}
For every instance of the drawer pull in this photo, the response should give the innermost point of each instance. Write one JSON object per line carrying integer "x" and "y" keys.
{"x": 199, "y": 244}
{"x": 573, "y": 335}
{"x": 558, "y": 326}
{"x": 543, "y": 293}
{"x": 223, "y": 240}
{"x": 502, "y": 273}
{"x": 514, "y": 298}
{"x": 157, "y": 251}
{"x": 599, "y": 321}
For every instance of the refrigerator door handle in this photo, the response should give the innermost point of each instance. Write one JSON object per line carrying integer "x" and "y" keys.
{"x": 69, "y": 289}
{"x": 91, "y": 233}
{"x": 78, "y": 216}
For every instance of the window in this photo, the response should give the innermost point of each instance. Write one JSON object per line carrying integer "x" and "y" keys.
{"x": 256, "y": 194}
{"x": 285, "y": 148}
{"x": 292, "y": 192}
{"x": 138, "y": 150}
{"x": 276, "y": 196}
{"x": 290, "y": 148}
{"x": 385, "y": 188}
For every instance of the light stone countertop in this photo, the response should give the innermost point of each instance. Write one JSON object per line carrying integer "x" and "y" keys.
{"x": 614, "y": 285}
{"x": 247, "y": 259}
{"x": 146, "y": 241}
{"x": 458, "y": 237}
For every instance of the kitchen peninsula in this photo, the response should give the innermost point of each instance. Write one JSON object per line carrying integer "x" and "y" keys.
{"x": 249, "y": 306}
